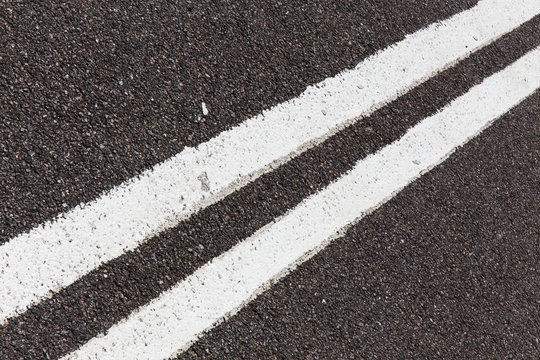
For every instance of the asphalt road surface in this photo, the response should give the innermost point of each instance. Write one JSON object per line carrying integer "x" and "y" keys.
{"x": 270, "y": 180}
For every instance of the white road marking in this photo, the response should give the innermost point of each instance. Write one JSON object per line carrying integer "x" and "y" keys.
{"x": 224, "y": 285}
{"x": 56, "y": 254}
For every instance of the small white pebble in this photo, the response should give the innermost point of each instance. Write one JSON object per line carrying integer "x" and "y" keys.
{"x": 204, "y": 109}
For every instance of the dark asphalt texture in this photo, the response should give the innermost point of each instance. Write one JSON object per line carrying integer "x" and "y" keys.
{"x": 92, "y": 93}
{"x": 95, "y": 302}
{"x": 448, "y": 269}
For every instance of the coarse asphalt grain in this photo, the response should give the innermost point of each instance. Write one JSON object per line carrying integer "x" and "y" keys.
{"x": 449, "y": 268}
{"x": 92, "y": 93}
{"x": 101, "y": 298}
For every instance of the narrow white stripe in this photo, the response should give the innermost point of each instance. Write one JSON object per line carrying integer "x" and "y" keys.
{"x": 56, "y": 254}
{"x": 229, "y": 281}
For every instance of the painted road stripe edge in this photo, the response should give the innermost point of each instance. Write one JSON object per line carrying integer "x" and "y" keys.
{"x": 221, "y": 287}
{"x": 54, "y": 255}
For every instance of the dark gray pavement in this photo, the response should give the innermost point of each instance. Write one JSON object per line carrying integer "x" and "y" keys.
{"x": 93, "y": 93}
{"x": 448, "y": 269}
{"x": 94, "y": 303}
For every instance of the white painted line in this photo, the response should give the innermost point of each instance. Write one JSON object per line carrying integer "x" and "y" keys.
{"x": 56, "y": 254}
{"x": 228, "y": 282}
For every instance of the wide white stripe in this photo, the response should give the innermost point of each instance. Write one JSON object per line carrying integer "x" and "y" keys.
{"x": 56, "y": 254}
{"x": 225, "y": 284}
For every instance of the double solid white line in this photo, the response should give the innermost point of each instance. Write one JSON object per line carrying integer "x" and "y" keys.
{"x": 222, "y": 286}
{"x": 54, "y": 255}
